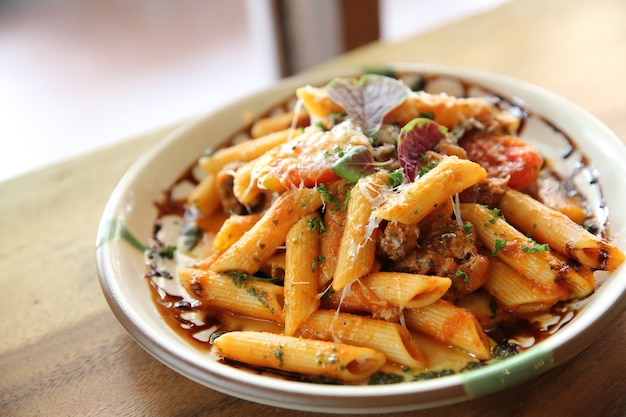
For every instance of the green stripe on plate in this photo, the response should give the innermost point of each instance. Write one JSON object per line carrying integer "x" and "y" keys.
{"x": 115, "y": 229}
{"x": 508, "y": 372}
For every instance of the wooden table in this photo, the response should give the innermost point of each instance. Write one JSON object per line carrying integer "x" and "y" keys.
{"x": 62, "y": 352}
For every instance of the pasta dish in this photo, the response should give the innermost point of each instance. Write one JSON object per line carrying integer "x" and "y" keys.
{"x": 374, "y": 232}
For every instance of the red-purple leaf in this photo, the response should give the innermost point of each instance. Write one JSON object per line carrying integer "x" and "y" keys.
{"x": 368, "y": 98}
{"x": 417, "y": 137}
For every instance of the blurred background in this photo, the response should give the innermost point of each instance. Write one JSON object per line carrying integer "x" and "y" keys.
{"x": 78, "y": 75}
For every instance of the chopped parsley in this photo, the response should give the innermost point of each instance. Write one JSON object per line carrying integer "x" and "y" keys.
{"x": 462, "y": 274}
{"x": 535, "y": 247}
{"x": 191, "y": 236}
{"x": 240, "y": 278}
{"x": 432, "y": 374}
{"x": 427, "y": 115}
{"x": 328, "y": 197}
{"x": 320, "y": 125}
{"x": 505, "y": 350}
{"x": 328, "y": 293}
{"x": 316, "y": 223}
{"x": 278, "y": 354}
{"x": 495, "y": 214}
{"x": 167, "y": 252}
{"x": 395, "y": 178}
{"x": 382, "y": 378}
{"x": 427, "y": 167}
{"x": 499, "y": 245}
{"x": 472, "y": 365}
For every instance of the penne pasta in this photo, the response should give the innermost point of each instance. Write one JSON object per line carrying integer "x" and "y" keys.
{"x": 245, "y": 151}
{"x": 549, "y": 226}
{"x": 275, "y": 265}
{"x": 301, "y": 273}
{"x": 317, "y": 102}
{"x": 519, "y": 294}
{"x": 235, "y": 293}
{"x": 407, "y": 290}
{"x": 485, "y": 307}
{"x": 258, "y": 244}
{"x": 452, "y": 112}
{"x": 205, "y": 196}
{"x": 245, "y": 189}
{"x": 359, "y": 299}
{"x": 414, "y": 202}
{"x": 283, "y": 121}
{"x": 390, "y": 338}
{"x": 357, "y": 248}
{"x": 334, "y": 222}
{"x": 452, "y": 325}
{"x": 303, "y": 356}
{"x": 232, "y": 229}
{"x": 511, "y": 246}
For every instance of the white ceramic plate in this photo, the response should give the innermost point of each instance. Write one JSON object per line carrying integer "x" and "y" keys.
{"x": 130, "y": 214}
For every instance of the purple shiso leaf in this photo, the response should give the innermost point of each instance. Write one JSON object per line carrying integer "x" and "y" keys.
{"x": 368, "y": 98}
{"x": 417, "y": 137}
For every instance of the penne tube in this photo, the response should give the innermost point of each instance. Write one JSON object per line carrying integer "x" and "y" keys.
{"x": 419, "y": 198}
{"x": 514, "y": 248}
{"x": 258, "y": 244}
{"x": 245, "y": 151}
{"x": 519, "y": 294}
{"x": 563, "y": 235}
{"x": 269, "y": 125}
{"x": 245, "y": 189}
{"x": 484, "y": 306}
{"x": 205, "y": 196}
{"x": 452, "y": 111}
{"x": 357, "y": 248}
{"x": 235, "y": 293}
{"x": 451, "y": 325}
{"x": 390, "y": 338}
{"x": 407, "y": 290}
{"x": 301, "y": 273}
{"x": 230, "y": 322}
{"x": 275, "y": 266}
{"x": 359, "y": 299}
{"x": 314, "y": 358}
{"x": 334, "y": 221}
{"x": 233, "y": 228}
{"x": 317, "y": 102}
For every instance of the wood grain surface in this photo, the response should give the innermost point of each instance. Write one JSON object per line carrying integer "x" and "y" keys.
{"x": 63, "y": 353}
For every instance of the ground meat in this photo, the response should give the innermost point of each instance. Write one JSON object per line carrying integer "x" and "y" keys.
{"x": 488, "y": 192}
{"x": 387, "y": 154}
{"x": 447, "y": 251}
{"x": 386, "y": 135}
{"x": 384, "y": 146}
{"x": 398, "y": 240}
{"x": 447, "y": 147}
